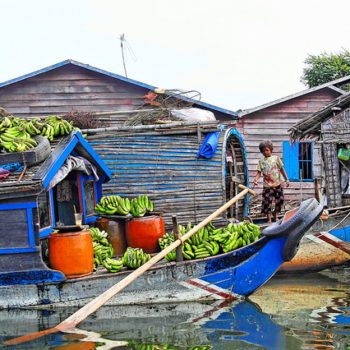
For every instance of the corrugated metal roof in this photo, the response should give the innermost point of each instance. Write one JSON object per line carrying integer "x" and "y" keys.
{"x": 312, "y": 123}
{"x": 328, "y": 85}
{"x": 113, "y": 75}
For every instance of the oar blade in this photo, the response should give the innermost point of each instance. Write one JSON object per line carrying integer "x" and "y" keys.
{"x": 31, "y": 336}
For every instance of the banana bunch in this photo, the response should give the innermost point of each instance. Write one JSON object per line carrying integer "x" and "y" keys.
{"x": 112, "y": 265}
{"x": 200, "y": 251}
{"x": 51, "y": 127}
{"x": 48, "y": 131}
{"x": 16, "y": 139}
{"x": 110, "y": 205}
{"x": 209, "y": 241}
{"x": 197, "y": 238}
{"x": 59, "y": 125}
{"x": 135, "y": 257}
{"x": 165, "y": 241}
{"x": 15, "y": 121}
{"x": 31, "y": 126}
{"x": 34, "y": 127}
{"x": 98, "y": 236}
{"x": 236, "y": 235}
{"x": 198, "y": 245}
{"x": 102, "y": 248}
{"x": 140, "y": 206}
{"x": 101, "y": 252}
{"x": 5, "y": 122}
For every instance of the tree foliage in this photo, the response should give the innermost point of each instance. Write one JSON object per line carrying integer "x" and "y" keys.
{"x": 325, "y": 67}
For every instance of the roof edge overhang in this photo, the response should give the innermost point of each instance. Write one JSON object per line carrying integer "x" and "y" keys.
{"x": 115, "y": 76}
{"x": 310, "y": 125}
{"x": 329, "y": 85}
{"x": 59, "y": 155}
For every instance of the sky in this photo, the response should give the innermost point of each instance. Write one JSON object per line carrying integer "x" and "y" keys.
{"x": 237, "y": 53}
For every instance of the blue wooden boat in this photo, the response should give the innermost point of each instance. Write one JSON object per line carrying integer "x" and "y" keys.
{"x": 29, "y": 209}
{"x": 326, "y": 244}
{"x": 227, "y": 276}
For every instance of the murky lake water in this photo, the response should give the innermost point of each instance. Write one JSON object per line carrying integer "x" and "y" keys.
{"x": 301, "y": 312}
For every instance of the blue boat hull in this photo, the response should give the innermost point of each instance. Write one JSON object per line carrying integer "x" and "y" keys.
{"x": 246, "y": 269}
{"x": 227, "y": 276}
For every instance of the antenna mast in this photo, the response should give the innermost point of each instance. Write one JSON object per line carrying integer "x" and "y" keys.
{"x": 122, "y": 39}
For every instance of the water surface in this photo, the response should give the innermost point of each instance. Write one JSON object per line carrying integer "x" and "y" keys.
{"x": 289, "y": 312}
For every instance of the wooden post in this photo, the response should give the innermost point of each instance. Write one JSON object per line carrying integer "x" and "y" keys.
{"x": 179, "y": 255}
{"x": 199, "y": 134}
{"x": 317, "y": 192}
{"x": 231, "y": 187}
{"x": 22, "y": 173}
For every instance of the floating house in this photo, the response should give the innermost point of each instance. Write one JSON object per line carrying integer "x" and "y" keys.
{"x": 273, "y": 120}
{"x": 41, "y": 197}
{"x": 159, "y": 161}
{"x": 70, "y": 85}
{"x": 330, "y": 129}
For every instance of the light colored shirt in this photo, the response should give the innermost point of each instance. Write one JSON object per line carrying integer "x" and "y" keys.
{"x": 270, "y": 167}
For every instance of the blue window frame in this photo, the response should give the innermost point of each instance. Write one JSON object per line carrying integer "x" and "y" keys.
{"x": 88, "y": 197}
{"x": 46, "y": 225}
{"x": 30, "y": 244}
{"x": 298, "y": 160}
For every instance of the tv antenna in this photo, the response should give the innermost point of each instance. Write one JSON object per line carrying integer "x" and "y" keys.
{"x": 125, "y": 45}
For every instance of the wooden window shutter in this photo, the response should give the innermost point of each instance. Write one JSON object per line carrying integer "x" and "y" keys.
{"x": 291, "y": 159}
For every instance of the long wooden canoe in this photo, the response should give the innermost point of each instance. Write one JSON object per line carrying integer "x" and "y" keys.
{"x": 325, "y": 245}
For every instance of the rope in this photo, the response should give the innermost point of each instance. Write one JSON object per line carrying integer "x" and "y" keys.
{"x": 335, "y": 226}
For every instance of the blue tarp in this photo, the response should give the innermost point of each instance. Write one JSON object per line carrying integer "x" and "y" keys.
{"x": 12, "y": 167}
{"x": 209, "y": 145}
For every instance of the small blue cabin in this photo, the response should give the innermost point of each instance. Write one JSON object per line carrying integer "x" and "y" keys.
{"x": 70, "y": 179}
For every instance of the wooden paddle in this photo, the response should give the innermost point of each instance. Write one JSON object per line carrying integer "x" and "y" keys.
{"x": 79, "y": 316}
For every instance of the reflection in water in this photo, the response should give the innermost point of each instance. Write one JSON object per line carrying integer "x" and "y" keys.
{"x": 314, "y": 309}
{"x": 310, "y": 312}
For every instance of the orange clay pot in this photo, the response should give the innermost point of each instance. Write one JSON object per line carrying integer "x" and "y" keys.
{"x": 72, "y": 253}
{"x": 144, "y": 233}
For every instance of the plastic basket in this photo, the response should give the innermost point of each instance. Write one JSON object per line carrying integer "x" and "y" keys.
{"x": 344, "y": 154}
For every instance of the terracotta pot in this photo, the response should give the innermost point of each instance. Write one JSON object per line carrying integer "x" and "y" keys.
{"x": 72, "y": 253}
{"x": 116, "y": 233}
{"x": 144, "y": 233}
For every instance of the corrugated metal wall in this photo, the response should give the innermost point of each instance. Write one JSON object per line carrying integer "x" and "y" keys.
{"x": 164, "y": 166}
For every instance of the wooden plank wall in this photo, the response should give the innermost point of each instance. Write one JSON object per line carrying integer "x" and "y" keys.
{"x": 70, "y": 88}
{"x": 272, "y": 123}
{"x": 335, "y": 130}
